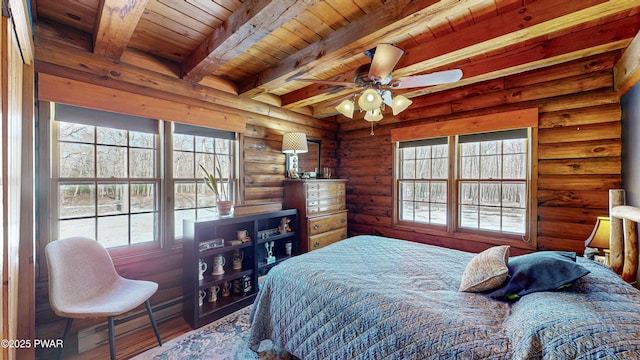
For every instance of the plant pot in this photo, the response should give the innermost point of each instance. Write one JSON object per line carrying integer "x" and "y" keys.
{"x": 224, "y": 207}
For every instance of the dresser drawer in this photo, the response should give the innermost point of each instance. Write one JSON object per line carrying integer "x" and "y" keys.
{"x": 324, "y": 239}
{"x": 322, "y": 224}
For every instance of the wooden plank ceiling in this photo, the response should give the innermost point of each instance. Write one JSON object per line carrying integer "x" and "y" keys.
{"x": 254, "y": 49}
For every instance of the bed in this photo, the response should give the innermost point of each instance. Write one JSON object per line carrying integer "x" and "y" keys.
{"x": 402, "y": 300}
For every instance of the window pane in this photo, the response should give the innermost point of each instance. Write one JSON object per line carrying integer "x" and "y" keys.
{"x": 143, "y": 197}
{"x": 490, "y": 167}
{"x": 84, "y": 227}
{"x": 469, "y": 167}
{"x": 185, "y": 195}
{"x": 408, "y": 169}
{"x": 76, "y": 200}
{"x": 514, "y": 146}
{"x": 142, "y": 227}
{"x": 490, "y": 218}
{"x": 76, "y": 160}
{"x": 468, "y": 193}
{"x": 490, "y": 194}
{"x": 438, "y": 191}
{"x": 440, "y": 169}
{"x": 207, "y": 161}
{"x": 112, "y": 162}
{"x": 490, "y": 147}
{"x": 142, "y": 163}
{"x": 515, "y": 166}
{"x": 140, "y": 139}
{"x": 514, "y": 195}
{"x": 422, "y": 191}
{"x": 514, "y": 220}
{"x": 423, "y": 169}
{"x": 438, "y": 214}
{"x": 205, "y": 144}
{"x": 206, "y": 197}
{"x": 468, "y": 216}
{"x": 423, "y": 152}
{"x": 440, "y": 151}
{"x": 469, "y": 149}
{"x": 183, "y": 166}
{"x": 113, "y": 230}
{"x": 75, "y": 132}
{"x": 113, "y": 199}
{"x": 407, "y": 212}
{"x": 223, "y": 146}
{"x": 406, "y": 190}
{"x": 409, "y": 153}
{"x": 108, "y": 136}
{"x": 183, "y": 142}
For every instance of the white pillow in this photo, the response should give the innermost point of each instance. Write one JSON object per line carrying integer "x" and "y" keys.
{"x": 487, "y": 270}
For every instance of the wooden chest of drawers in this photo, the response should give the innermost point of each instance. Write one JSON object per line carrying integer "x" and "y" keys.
{"x": 321, "y": 204}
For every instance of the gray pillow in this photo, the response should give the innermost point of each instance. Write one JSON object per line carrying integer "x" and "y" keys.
{"x": 539, "y": 271}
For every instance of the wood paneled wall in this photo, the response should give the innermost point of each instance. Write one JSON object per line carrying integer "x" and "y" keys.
{"x": 579, "y": 149}
{"x": 262, "y": 165}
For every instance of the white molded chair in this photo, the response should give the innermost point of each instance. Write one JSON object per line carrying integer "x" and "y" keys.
{"x": 83, "y": 283}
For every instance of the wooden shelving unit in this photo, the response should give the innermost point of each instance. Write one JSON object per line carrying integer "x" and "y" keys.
{"x": 262, "y": 229}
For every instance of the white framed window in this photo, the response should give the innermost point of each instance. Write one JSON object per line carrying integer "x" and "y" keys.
{"x": 109, "y": 171}
{"x": 193, "y": 146}
{"x": 105, "y": 177}
{"x": 470, "y": 185}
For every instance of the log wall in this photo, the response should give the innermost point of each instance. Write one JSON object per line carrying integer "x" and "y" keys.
{"x": 578, "y": 150}
{"x": 262, "y": 167}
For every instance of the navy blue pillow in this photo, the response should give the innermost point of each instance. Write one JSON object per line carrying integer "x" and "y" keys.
{"x": 539, "y": 271}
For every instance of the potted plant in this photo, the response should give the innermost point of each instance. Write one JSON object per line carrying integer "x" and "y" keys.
{"x": 217, "y": 185}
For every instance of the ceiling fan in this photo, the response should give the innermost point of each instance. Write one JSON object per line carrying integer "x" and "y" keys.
{"x": 377, "y": 82}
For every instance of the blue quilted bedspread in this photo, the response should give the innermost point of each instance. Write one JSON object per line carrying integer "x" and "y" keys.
{"x": 370, "y": 297}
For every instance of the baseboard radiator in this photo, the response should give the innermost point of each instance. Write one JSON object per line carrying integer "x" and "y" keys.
{"x": 98, "y": 334}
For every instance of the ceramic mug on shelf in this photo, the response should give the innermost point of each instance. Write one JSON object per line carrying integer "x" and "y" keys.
{"x": 218, "y": 265}
{"x": 226, "y": 287}
{"x": 202, "y": 267}
{"x": 202, "y": 295}
{"x": 287, "y": 248}
{"x": 238, "y": 256}
{"x": 242, "y": 234}
{"x": 213, "y": 293}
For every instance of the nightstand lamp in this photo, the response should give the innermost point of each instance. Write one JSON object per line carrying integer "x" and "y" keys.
{"x": 597, "y": 244}
{"x": 294, "y": 143}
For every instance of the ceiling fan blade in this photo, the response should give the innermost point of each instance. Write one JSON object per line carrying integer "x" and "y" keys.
{"x": 327, "y": 82}
{"x": 435, "y": 78}
{"x": 384, "y": 60}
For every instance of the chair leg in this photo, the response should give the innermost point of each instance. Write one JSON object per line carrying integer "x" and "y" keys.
{"x": 112, "y": 338}
{"x": 153, "y": 321}
{"x": 67, "y": 330}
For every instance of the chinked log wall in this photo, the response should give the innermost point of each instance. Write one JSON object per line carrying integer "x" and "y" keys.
{"x": 579, "y": 149}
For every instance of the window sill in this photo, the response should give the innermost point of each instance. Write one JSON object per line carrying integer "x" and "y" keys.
{"x": 493, "y": 239}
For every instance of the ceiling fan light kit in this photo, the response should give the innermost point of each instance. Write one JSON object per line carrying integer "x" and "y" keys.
{"x": 376, "y": 78}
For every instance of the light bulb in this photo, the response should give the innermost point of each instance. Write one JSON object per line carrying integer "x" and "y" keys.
{"x": 370, "y": 100}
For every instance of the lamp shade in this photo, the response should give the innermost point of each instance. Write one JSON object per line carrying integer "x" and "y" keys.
{"x": 346, "y": 108}
{"x": 370, "y": 100}
{"x": 399, "y": 104}
{"x": 600, "y": 235}
{"x": 294, "y": 143}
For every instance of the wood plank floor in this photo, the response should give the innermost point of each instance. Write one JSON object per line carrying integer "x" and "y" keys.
{"x": 135, "y": 343}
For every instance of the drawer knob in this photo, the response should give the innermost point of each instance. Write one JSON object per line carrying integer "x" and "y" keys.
{"x": 316, "y": 244}
{"x": 316, "y": 227}
{"x": 343, "y": 236}
{"x": 343, "y": 220}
